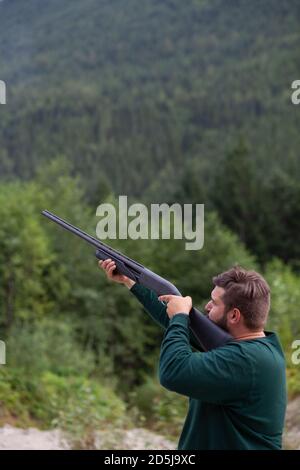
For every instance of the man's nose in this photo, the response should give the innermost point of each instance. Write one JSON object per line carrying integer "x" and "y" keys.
{"x": 207, "y": 307}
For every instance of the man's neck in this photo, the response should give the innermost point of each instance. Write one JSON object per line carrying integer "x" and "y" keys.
{"x": 256, "y": 334}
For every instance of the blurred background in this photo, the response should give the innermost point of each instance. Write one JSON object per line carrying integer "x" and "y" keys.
{"x": 162, "y": 101}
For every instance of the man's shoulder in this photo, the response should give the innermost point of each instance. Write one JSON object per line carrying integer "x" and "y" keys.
{"x": 266, "y": 351}
{"x": 240, "y": 347}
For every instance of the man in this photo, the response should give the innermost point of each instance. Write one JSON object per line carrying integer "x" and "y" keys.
{"x": 237, "y": 392}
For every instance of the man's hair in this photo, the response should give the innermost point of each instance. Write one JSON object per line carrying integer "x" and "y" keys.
{"x": 249, "y": 292}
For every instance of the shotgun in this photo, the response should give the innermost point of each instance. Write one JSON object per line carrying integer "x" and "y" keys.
{"x": 207, "y": 334}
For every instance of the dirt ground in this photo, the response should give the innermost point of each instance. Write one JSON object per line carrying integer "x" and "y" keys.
{"x": 292, "y": 425}
{"x": 12, "y": 438}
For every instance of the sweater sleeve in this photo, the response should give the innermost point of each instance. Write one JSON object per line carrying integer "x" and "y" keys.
{"x": 157, "y": 309}
{"x": 154, "y": 307}
{"x": 219, "y": 376}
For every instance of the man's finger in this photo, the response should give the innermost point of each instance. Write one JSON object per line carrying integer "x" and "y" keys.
{"x": 105, "y": 263}
{"x": 109, "y": 265}
{"x": 111, "y": 269}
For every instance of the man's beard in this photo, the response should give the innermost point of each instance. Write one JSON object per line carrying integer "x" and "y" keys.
{"x": 222, "y": 322}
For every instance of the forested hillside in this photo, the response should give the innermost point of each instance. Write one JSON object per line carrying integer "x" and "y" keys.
{"x": 147, "y": 87}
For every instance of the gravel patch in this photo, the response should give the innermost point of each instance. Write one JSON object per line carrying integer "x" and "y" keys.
{"x": 12, "y": 438}
{"x": 292, "y": 429}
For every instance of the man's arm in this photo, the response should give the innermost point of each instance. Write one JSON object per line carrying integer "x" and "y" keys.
{"x": 148, "y": 298}
{"x": 154, "y": 307}
{"x": 219, "y": 376}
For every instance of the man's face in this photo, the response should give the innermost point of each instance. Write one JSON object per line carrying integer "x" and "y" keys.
{"x": 216, "y": 308}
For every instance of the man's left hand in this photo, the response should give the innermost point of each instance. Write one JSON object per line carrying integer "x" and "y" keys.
{"x": 177, "y": 304}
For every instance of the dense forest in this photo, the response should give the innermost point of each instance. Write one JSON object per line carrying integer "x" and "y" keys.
{"x": 162, "y": 101}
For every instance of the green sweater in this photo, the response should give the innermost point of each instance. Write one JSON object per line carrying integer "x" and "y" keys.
{"x": 237, "y": 393}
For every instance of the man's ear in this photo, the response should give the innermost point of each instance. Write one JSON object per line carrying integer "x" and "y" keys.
{"x": 234, "y": 316}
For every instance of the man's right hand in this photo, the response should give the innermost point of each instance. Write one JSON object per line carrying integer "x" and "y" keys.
{"x": 109, "y": 266}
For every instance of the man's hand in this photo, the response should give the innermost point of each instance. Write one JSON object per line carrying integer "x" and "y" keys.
{"x": 177, "y": 304}
{"x": 109, "y": 266}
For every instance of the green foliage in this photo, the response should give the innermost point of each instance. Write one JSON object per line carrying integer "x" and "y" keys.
{"x": 24, "y": 255}
{"x": 48, "y": 381}
{"x": 263, "y": 211}
{"x": 34, "y": 347}
{"x": 293, "y": 380}
{"x": 281, "y": 213}
{"x": 222, "y": 249}
{"x": 77, "y": 405}
{"x": 241, "y": 208}
{"x": 80, "y": 407}
{"x": 156, "y": 408}
{"x": 284, "y": 316}
{"x": 13, "y": 400}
